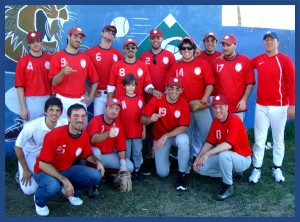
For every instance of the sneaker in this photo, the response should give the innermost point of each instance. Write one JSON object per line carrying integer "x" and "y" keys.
{"x": 255, "y": 175}
{"x": 41, "y": 211}
{"x": 137, "y": 175}
{"x": 277, "y": 174}
{"x": 17, "y": 177}
{"x": 181, "y": 182}
{"x": 93, "y": 193}
{"x": 76, "y": 201}
{"x": 146, "y": 168}
{"x": 227, "y": 191}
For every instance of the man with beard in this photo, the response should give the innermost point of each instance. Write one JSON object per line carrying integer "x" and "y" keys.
{"x": 69, "y": 70}
{"x": 103, "y": 57}
{"x": 31, "y": 79}
{"x": 54, "y": 169}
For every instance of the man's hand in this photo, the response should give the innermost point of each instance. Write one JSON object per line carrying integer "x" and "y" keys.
{"x": 157, "y": 94}
{"x": 241, "y": 106}
{"x": 291, "y": 113}
{"x": 160, "y": 142}
{"x": 67, "y": 69}
{"x": 100, "y": 168}
{"x": 24, "y": 113}
{"x": 26, "y": 177}
{"x": 68, "y": 187}
{"x": 114, "y": 131}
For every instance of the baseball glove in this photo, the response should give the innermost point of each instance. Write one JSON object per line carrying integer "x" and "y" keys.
{"x": 122, "y": 182}
{"x": 196, "y": 105}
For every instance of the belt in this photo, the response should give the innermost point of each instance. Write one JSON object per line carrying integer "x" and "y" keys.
{"x": 102, "y": 91}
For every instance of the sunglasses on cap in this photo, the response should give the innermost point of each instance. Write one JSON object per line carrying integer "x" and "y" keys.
{"x": 133, "y": 47}
{"x": 111, "y": 31}
{"x": 186, "y": 48}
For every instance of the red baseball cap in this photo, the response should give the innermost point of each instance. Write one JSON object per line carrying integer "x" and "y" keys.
{"x": 175, "y": 81}
{"x": 33, "y": 35}
{"x": 112, "y": 101}
{"x": 129, "y": 41}
{"x": 210, "y": 34}
{"x": 111, "y": 27}
{"x": 221, "y": 100}
{"x": 229, "y": 39}
{"x": 187, "y": 39}
{"x": 155, "y": 32}
{"x": 76, "y": 30}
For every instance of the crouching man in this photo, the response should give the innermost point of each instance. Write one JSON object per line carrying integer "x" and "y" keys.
{"x": 226, "y": 150}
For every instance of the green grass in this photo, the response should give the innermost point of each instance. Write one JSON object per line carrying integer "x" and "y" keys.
{"x": 157, "y": 197}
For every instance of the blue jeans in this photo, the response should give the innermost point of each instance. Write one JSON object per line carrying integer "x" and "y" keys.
{"x": 134, "y": 150}
{"x": 82, "y": 178}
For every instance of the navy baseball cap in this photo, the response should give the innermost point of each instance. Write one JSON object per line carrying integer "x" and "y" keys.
{"x": 271, "y": 34}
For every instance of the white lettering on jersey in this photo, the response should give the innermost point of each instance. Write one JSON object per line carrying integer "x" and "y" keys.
{"x": 47, "y": 65}
{"x": 124, "y": 106}
{"x": 162, "y": 111}
{"x": 115, "y": 57}
{"x": 219, "y": 67}
{"x": 61, "y": 149}
{"x": 197, "y": 71}
{"x": 98, "y": 56}
{"x": 102, "y": 128}
{"x": 179, "y": 73}
{"x": 165, "y": 60}
{"x": 78, "y": 151}
{"x": 29, "y": 66}
{"x": 177, "y": 114}
{"x": 83, "y": 63}
{"x": 140, "y": 72}
{"x": 238, "y": 67}
{"x": 63, "y": 62}
{"x": 218, "y": 134}
{"x": 122, "y": 72}
{"x": 147, "y": 60}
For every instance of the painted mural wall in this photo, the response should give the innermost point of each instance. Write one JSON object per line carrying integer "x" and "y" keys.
{"x": 134, "y": 21}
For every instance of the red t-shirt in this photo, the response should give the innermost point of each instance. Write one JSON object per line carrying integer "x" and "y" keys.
{"x": 195, "y": 75}
{"x": 209, "y": 57}
{"x": 231, "y": 131}
{"x": 121, "y": 68}
{"x": 60, "y": 149}
{"x": 276, "y": 80}
{"x": 32, "y": 74}
{"x": 72, "y": 85}
{"x": 103, "y": 59}
{"x": 158, "y": 72}
{"x": 172, "y": 115}
{"x": 98, "y": 125}
{"x": 130, "y": 116}
{"x": 232, "y": 77}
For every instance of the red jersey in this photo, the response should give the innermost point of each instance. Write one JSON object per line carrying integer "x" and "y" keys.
{"x": 158, "y": 71}
{"x": 103, "y": 59}
{"x": 32, "y": 74}
{"x": 209, "y": 57}
{"x": 98, "y": 125}
{"x": 72, "y": 85}
{"x": 121, "y": 68}
{"x": 233, "y": 75}
{"x": 60, "y": 149}
{"x": 276, "y": 80}
{"x": 195, "y": 75}
{"x": 231, "y": 131}
{"x": 130, "y": 116}
{"x": 172, "y": 115}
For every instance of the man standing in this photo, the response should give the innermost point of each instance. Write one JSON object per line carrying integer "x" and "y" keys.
{"x": 210, "y": 43}
{"x": 171, "y": 117}
{"x": 274, "y": 105}
{"x": 131, "y": 65}
{"x": 54, "y": 170}
{"x": 103, "y": 57}
{"x": 31, "y": 79}
{"x": 226, "y": 149}
{"x": 235, "y": 77}
{"x": 69, "y": 70}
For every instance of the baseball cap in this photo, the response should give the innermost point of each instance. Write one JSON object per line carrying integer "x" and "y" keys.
{"x": 128, "y": 41}
{"x": 111, "y": 27}
{"x": 76, "y": 30}
{"x": 221, "y": 100}
{"x": 272, "y": 34}
{"x": 187, "y": 38}
{"x": 175, "y": 81}
{"x": 229, "y": 39}
{"x": 155, "y": 32}
{"x": 210, "y": 34}
{"x": 33, "y": 35}
{"x": 112, "y": 101}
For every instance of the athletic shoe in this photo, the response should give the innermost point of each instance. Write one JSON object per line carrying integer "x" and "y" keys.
{"x": 181, "y": 182}
{"x": 41, "y": 211}
{"x": 146, "y": 168}
{"x": 17, "y": 177}
{"x": 93, "y": 193}
{"x": 227, "y": 191}
{"x": 255, "y": 175}
{"x": 137, "y": 175}
{"x": 76, "y": 201}
{"x": 277, "y": 174}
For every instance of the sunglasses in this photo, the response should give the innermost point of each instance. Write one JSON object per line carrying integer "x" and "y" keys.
{"x": 111, "y": 31}
{"x": 154, "y": 59}
{"x": 186, "y": 48}
{"x": 133, "y": 47}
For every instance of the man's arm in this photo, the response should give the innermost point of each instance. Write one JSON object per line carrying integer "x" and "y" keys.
{"x": 27, "y": 174}
{"x": 91, "y": 93}
{"x": 24, "y": 112}
{"x": 92, "y": 159}
{"x": 241, "y": 106}
{"x": 208, "y": 91}
{"x": 60, "y": 76}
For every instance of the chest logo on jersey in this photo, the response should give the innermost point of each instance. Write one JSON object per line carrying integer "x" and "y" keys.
{"x": 47, "y": 65}
{"x": 140, "y": 72}
{"x": 165, "y": 60}
{"x": 140, "y": 104}
{"x": 177, "y": 114}
{"x": 197, "y": 71}
{"x": 162, "y": 111}
{"x": 238, "y": 67}
{"x": 61, "y": 149}
{"x": 83, "y": 63}
{"x": 78, "y": 151}
{"x": 115, "y": 57}
{"x": 29, "y": 66}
